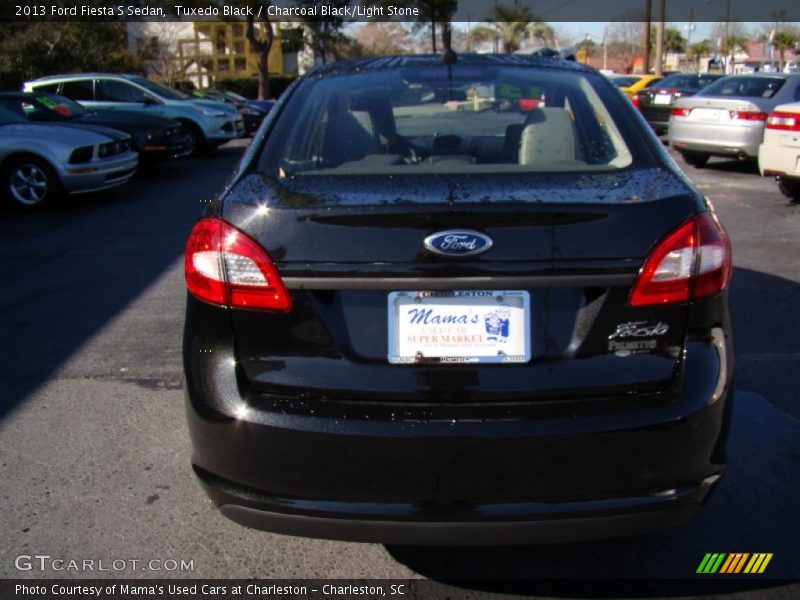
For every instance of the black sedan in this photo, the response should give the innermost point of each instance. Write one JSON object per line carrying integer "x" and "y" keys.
{"x": 414, "y": 319}
{"x": 655, "y": 103}
{"x": 152, "y": 136}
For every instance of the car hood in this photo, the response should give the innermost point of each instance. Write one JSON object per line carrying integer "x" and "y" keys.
{"x": 98, "y": 129}
{"x": 80, "y": 135}
{"x": 220, "y": 106}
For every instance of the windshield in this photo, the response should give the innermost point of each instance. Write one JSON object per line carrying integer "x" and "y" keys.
{"x": 744, "y": 87}
{"x": 160, "y": 90}
{"x": 59, "y": 104}
{"x": 470, "y": 119}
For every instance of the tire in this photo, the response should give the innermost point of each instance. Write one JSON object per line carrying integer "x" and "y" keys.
{"x": 789, "y": 187}
{"x": 29, "y": 182}
{"x": 696, "y": 159}
{"x": 198, "y": 141}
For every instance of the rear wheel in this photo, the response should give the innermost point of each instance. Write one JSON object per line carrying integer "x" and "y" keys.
{"x": 696, "y": 159}
{"x": 30, "y": 182}
{"x": 789, "y": 187}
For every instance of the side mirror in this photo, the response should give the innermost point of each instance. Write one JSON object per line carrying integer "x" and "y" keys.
{"x": 150, "y": 101}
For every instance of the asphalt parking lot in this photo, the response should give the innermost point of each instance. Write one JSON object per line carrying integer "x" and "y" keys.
{"x": 94, "y": 453}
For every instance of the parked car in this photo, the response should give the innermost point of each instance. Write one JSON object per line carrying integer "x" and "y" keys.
{"x": 630, "y": 84}
{"x": 655, "y": 102}
{"x": 727, "y": 117}
{"x": 151, "y": 137}
{"x": 207, "y": 123}
{"x": 779, "y": 153}
{"x": 413, "y": 324}
{"x": 252, "y": 111}
{"x": 39, "y": 163}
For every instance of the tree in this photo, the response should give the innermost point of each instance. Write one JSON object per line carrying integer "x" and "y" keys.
{"x": 784, "y": 40}
{"x": 625, "y": 40}
{"x": 433, "y": 14}
{"x": 32, "y": 50}
{"x": 378, "y": 38}
{"x": 588, "y": 46}
{"x": 261, "y": 43}
{"x": 509, "y": 25}
{"x": 732, "y": 45}
{"x": 697, "y": 51}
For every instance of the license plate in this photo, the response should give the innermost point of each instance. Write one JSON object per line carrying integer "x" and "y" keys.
{"x": 491, "y": 326}
{"x": 662, "y": 99}
{"x": 706, "y": 114}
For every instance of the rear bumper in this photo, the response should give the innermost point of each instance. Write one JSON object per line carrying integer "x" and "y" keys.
{"x": 740, "y": 141}
{"x": 354, "y": 473}
{"x": 775, "y": 159}
{"x": 490, "y": 524}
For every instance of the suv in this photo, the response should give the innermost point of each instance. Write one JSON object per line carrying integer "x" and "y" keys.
{"x": 209, "y": 123}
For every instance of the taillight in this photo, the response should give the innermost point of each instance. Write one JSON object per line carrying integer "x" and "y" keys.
{"x": 637, "y": 102}
{"x": 692, "y": 261}
{"x": 680, "y": 112}
{"x": 747, "y": 115}
{"x": 226, "y": 267}
{"x": 785, "y": 121}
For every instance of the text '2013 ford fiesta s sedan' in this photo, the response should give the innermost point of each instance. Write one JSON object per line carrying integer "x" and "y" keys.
{"x": 461, "y": 301}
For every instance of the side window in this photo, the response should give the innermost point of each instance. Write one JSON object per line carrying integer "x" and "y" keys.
{"x": 110, "y": 90}
{"x": 797, "y": 93}
{"x": 78, "y": 90}
{"x": 46, "y": 88}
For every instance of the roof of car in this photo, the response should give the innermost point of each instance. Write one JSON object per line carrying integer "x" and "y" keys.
{"x": 381, "y": 63}
{"x": 84, "y": 75}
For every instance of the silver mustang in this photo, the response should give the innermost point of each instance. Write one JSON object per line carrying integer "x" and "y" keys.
{"x": 40, "y": 163}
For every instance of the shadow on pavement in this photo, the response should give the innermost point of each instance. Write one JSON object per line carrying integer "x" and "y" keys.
{"x": 68, "y": 271}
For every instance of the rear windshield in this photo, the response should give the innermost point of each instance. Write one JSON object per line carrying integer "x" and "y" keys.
{"x": 685, "y": 82}
{"x": 624, "y": 81}
{"x": 745, "y": 87}
{"x": 438, "y": 119}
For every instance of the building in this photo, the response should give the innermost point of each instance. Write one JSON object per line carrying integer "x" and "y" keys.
{"x": 204, "y": 52}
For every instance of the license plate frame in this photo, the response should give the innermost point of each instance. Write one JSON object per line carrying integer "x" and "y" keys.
{"x": 459, "y": 327}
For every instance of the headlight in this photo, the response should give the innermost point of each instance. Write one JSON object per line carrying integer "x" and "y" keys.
{"x": 209, "y": 112}
{"x": 81, "y": 155}
{"x": 113, "y": 148}
{"x": 249, "y": 111}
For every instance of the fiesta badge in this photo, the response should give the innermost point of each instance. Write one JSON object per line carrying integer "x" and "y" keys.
{"x": 458, "y": 242}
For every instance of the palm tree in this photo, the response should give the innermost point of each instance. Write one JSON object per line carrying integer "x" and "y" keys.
{"x": 732, "y": 44}
{"x": 509, "y": 25}
{"x": 783, "y": 41}
{"x": 697, "y": 51}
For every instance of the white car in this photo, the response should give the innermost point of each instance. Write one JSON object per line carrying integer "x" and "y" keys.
{"x": 779, "y": 153}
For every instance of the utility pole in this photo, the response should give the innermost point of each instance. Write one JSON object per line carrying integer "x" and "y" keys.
{"x": 660, "y": 38}
{"x": 647, "y": 16}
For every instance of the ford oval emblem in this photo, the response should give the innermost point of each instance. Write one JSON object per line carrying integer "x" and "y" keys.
{"x": 458, "y": 242}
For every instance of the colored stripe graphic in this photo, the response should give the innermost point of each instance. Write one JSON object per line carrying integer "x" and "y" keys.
{"x": 711, "y": 562}
{"x": 759, "y": 562}
{"x": 734, "y": 563}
